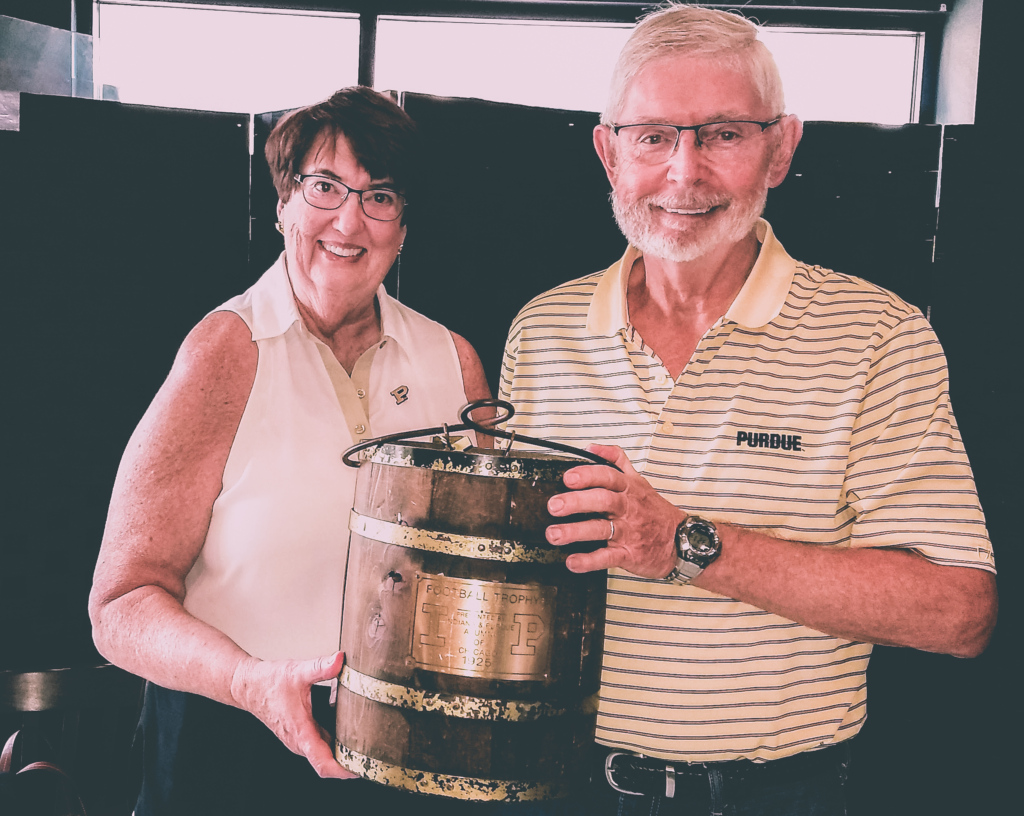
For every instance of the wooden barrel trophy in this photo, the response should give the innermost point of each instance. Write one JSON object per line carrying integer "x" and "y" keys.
{"x": 472, "y": 655}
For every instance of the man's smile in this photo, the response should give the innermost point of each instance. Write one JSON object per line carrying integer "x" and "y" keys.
{"x": 675, "y": 211}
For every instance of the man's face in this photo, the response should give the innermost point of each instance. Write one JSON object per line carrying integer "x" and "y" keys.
{"x": 698, "y": 199}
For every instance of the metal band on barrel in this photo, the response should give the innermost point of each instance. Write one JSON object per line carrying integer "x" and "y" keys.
{"x": 454, "y": 705}
{"x": 491, "y": 549}
{"x": 537, "y": 467}
{"x": 455, "y": 787}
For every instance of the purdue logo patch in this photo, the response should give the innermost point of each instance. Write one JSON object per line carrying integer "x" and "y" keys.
{"x": 774, "y": 441}
{"x": 401, "y": 394}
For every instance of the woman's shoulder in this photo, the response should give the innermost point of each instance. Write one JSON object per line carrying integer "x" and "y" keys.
{"x": 217, "y": 360}
{"x": 221, "y": 332}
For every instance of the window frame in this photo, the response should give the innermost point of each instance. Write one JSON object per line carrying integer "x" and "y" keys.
{"x": 927, "y": 17}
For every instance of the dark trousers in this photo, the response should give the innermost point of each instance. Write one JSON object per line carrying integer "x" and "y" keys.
{"x": 203, "y": 758}
{"x": 818, "y": 791}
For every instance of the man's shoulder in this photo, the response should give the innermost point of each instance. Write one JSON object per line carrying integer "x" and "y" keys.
{"x": 822, "y": 290}
{"x": 568, "y": 301}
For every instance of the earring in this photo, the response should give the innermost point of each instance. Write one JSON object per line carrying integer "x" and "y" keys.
{"x": 280, "y": 227}
{"x": 400, "y": 248}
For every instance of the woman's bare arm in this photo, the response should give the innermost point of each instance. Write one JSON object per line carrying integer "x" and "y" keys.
{"x": 474, "y": 381}
{"x": 169, "y": 477}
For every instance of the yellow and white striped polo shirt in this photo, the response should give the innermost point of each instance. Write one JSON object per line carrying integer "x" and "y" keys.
{"x": 817, "y": 410}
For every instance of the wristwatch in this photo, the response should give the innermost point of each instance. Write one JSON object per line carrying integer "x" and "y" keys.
{"x": 697, "y": 546}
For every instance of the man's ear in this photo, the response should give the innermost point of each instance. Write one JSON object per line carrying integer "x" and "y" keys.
{"x": 280, "y": 207}
{"x": 605, "y": 151}
{"x": 792, "y": 131}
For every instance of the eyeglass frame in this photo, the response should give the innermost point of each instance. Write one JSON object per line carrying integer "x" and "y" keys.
{"x": 696, "y": 129}
{"x": 298, "y": 178}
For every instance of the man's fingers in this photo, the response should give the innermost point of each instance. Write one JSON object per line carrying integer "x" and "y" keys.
{"x": 600, "y": 559}
{"x": 615, "y": 455}
{"x": 592, "y": 500}
{"x": 584, "y": 476}
{"x": 590, "y": 530}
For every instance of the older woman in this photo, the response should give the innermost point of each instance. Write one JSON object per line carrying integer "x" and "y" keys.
{"x": 220, "y": 575}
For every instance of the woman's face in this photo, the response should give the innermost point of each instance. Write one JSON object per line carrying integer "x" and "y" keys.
{"x": 337, "y": 258}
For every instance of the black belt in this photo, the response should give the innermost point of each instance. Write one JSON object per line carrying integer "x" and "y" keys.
{"x": 646, "y": 776}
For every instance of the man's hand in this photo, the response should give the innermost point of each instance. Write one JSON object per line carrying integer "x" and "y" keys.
{"x": 278, "y": 693}
{"x": 638, "y": 524}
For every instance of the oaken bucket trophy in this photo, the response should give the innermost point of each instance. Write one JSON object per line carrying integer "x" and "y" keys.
{"x": 472, "y": 654}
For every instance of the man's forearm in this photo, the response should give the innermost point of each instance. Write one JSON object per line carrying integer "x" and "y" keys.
{"x": 886, "y": 596}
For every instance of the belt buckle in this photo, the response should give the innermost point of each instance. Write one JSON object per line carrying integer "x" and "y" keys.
{"x": 609, "y": 773}
{"x": 670, "y": 777}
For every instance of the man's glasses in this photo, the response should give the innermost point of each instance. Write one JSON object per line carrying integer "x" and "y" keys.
{"x": 655, "y": 143}
{"x": 326, "y": 193}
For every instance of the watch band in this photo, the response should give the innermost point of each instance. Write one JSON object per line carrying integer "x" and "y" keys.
{"x": 684, "y": 572}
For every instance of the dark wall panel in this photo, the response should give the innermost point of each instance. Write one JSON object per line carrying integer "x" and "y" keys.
{"x": 129, "y": 224}
{"x": 860, "y": 199}
{"x": 267, "y": 243}
{"x": 941, "y": 735}
{"x": 512, "y": 201}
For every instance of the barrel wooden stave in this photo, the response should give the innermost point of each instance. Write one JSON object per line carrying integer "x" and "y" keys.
{"x": 380, "y": 605}
{"x": 527, "y": 752}
{"x": 381, "y": 598}
{"x": 467, "y": 504}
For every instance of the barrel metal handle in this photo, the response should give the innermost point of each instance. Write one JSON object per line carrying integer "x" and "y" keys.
{"x": 487, "y": 426}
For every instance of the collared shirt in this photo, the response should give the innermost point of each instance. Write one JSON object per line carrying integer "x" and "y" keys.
{"x": 271, "y": 572}
{"x": 816, "y": 409}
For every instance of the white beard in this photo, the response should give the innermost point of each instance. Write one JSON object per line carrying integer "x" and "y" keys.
{"x": 637, "y": 222}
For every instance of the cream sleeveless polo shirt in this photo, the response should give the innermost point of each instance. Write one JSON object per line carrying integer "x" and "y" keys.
{"x": 271, "y": 572}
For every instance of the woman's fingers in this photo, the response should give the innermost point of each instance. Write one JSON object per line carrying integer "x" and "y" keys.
{"x": 326, "y": 668}
{"x": 278, "y": 693}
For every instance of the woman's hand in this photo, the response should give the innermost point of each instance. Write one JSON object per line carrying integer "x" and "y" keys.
{"x": 278, "y": 693}
{"x": 639, "y": 525}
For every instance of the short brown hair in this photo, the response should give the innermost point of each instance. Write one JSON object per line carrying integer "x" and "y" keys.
{"x": 381, "y": 134}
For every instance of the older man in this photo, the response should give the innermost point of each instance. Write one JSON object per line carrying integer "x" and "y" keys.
{"x": 793, "y": 487}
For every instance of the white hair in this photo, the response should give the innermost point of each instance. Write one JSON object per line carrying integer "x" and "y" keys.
{"x": 688, "y": 30}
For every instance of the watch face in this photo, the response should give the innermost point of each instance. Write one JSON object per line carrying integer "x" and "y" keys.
{"x": 702, "y": 539}
{"x": 698, "y": 538}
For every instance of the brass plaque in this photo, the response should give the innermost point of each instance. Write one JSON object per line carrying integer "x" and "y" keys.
{"x": 483, "y": 628}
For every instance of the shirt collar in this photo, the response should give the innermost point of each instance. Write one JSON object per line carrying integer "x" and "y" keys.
{"x": 273, "y": 304}
{"x": 758, "y": 303}
{"x": 274, "y": 309}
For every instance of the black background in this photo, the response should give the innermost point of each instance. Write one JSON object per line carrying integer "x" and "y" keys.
{"x": 122, "y": 225}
